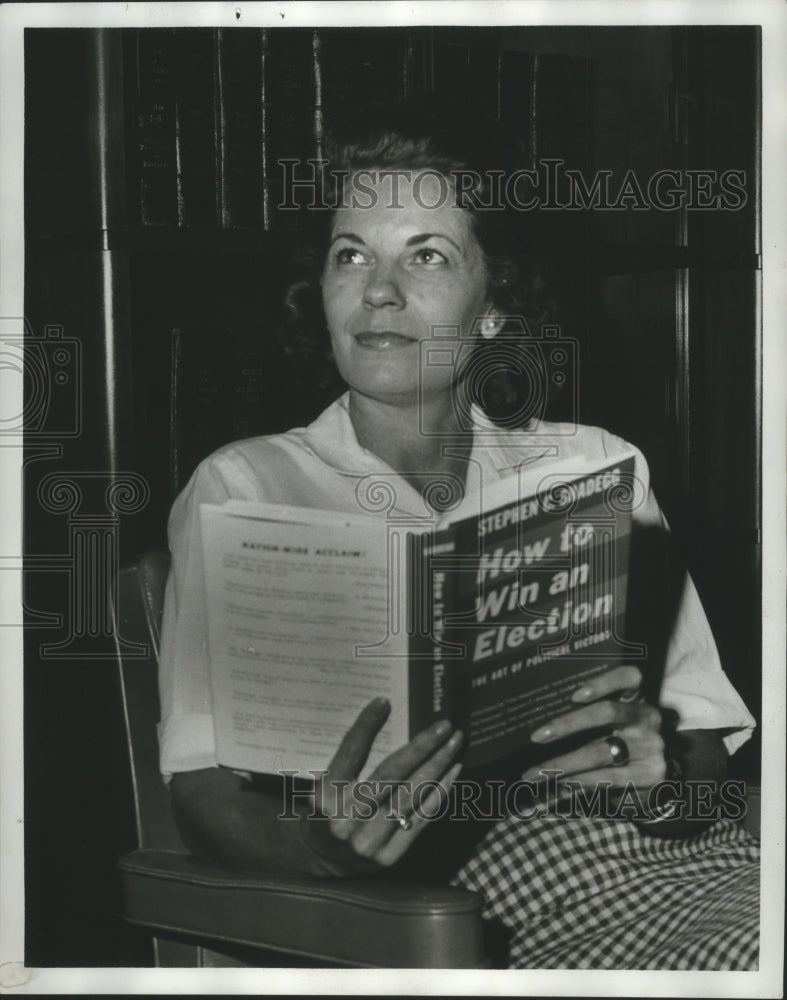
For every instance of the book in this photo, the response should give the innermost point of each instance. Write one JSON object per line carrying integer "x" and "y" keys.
{"x": 241, "y": 133}
{"x": 561, "y": 125}
{"x": 546, "y": 100}
{"x": 352, "y": 62}
{"x": 491, "y": 619}
{"x": 195, "y": 127}
{"x": 154, "y": 159}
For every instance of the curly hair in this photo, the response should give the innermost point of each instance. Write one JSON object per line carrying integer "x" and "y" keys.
{"x": 413, "y": 135}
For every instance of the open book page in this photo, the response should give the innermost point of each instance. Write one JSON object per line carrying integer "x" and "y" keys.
{"x": 295, "y": 610}
{"x": 279, "y": 512}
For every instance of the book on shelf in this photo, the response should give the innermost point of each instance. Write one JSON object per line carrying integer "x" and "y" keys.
{"x": 240, "y": 55}
{"x": 195, "y": 127}
{"x": 491, "y": 618}
{"x": 563, "y": 109}
{"x": 225, "y": 120}
{"x": 352, "y": 62}
{"x": 154, "y": 190}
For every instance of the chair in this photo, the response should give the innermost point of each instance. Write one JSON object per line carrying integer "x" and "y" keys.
{"x": 202, "y": 915}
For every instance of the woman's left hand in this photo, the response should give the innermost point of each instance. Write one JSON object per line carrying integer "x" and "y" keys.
{"x": 609, "y": 700}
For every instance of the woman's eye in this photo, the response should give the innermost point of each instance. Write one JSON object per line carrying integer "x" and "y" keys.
{"x": 349, "y": 255}
{"x": 428, "y": 255}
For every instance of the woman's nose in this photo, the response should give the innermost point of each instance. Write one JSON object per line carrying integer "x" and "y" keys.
{"x": 383, "y": 289}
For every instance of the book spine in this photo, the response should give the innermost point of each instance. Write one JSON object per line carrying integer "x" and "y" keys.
{"x": 195, "y": 128}
{"x": 289, "y": 87}
{"x": 265, "y": 149}
{"x": 561, "y": 108}
{"x": 483, "y": 79}
{"x": 544, "y": 99}
{"x": 431, "y": 680}
{"x": 416, "y": 78}
{"x": 451, "y": 71}
{"x": 373, "y": 65}
{"x": 154, "y": 130}
{"x": 517, "y": 96}
{"x": 318, "y": 123}
{"x": 240, "y": 57}
{"x": 251, "y": 383}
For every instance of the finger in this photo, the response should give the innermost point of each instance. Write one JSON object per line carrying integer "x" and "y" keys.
{"x": 439, "y": 762}
{"x": 407, "y": 795}
{"x": 362, "y": 804}
{"x": 354, "y": 748}
{"x": 592, "y": 757}
{"x": 624, "y": 680}
{"x": 643, "y": 746}
{"x": 432, "y": 807}
{"x": 640, "y": 773}
{"x": 402, "y": 762}
{"x": 396, "y": 822}
{"x": 385, "y": 800}
{"x": 382, "y": 786}
{"x": 599, "y": 713}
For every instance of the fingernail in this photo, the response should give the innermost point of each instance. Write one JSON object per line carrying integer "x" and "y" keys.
{"x": 542, "y": 735}
{"x": 456, "y": 739}
{"x": 380, "y": 703}
{"x": 584, "y": 694}
{"x": 442, "y": 727}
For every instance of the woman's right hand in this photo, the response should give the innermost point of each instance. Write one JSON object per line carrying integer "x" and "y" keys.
{"x": 353, "y": 835}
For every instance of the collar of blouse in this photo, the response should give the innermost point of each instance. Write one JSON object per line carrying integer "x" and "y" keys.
{"x": 496, "y": 454}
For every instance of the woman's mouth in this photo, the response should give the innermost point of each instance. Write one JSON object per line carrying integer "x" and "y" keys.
{"x": 381, "y": 340}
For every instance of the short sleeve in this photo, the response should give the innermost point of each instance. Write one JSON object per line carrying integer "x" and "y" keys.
{"x": 693, "y": 684}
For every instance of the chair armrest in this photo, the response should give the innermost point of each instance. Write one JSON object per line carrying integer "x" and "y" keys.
{"x": 355, "y": 922}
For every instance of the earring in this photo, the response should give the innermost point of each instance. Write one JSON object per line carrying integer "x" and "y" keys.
{"x": 489, "y": 328}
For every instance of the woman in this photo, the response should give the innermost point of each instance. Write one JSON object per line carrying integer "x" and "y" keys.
{"x": 411, "y": 251}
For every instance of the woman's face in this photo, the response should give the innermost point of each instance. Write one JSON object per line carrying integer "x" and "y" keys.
{"x": 399, "y": 273}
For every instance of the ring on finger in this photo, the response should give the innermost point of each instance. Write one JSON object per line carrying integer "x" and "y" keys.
{"x": 618, "y": 749}
{"x": 404, "y": 822}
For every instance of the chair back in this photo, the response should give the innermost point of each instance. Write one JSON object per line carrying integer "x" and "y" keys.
{"x": 140, "y": 604}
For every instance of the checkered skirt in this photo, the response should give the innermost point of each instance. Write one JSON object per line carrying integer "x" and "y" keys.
{"x": 603, "y": 894}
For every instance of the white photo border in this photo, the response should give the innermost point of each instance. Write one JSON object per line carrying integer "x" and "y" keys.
{"x": 772, "y": 16}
